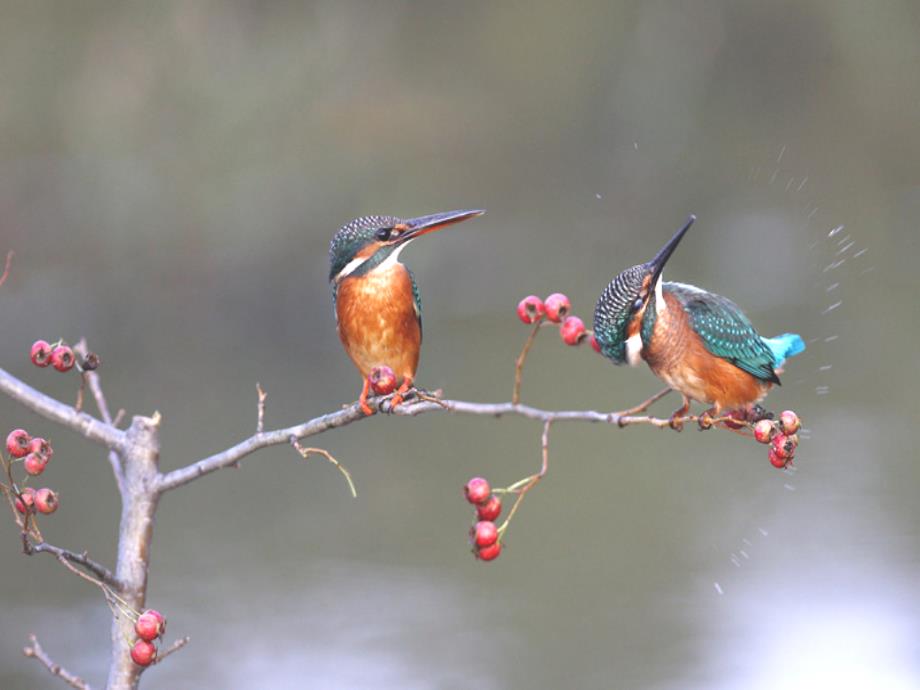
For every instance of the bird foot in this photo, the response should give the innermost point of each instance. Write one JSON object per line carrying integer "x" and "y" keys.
{"x": 705, "y": 420}
{"x": 401, "y": 393}
{"x": 676, "y": 420}
{"x": 362, "y": 399}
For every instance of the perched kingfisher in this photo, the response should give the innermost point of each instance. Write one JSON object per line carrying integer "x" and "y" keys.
{"x": 699, "y": 343}
{"x": 377, "y": 307}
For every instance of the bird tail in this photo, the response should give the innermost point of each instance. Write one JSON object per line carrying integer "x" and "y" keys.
{"x": 784, "y": 346}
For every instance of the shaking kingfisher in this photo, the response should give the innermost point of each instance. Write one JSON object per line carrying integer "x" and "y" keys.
{"x": 377, "y": 307}
{"x": 699, "y": 343}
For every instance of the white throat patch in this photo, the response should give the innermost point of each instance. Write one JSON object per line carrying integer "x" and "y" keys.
{"x": 353, "y": 265}
{"x": 634, "y": 350}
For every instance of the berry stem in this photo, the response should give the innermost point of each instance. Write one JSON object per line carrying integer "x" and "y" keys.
{"x": 530, "y": 482}
{"x": 519, "y": 363}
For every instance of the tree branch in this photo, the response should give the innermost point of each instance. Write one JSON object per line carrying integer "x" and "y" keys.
{"x": 83, "y": 559}
{"x": 410, "y": 408}
{"x": 84, "y": 424}
{"x": 36, "y": 652}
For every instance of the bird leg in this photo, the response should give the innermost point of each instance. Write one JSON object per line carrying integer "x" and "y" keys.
{"x": 362, "y": 400}
{"x": 400, "y": 393}
{"x": 676, "y": 421}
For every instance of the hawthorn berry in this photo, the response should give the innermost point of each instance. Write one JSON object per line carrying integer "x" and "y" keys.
{"x": 763, "y": 430}
{"x": 530, "y": 309}
{"x": 596, "y": 346}
{"x": 62, "y": 358}
{"x": 40, "y": 446}
{"x": 382, "y": 379}
{"x": 143, "y": 653}
{"x": 46, "y": 501}
{"x": 150, "y": 625}
{"x": 35, "y": 464}
{"x": 790, "y": 422}
{"x": 477, "y": 490}
{"x": 490, "y": 510}
{"x": 557, "y": 307}
{"x": 572, "y": 331}
{"x": 489, "y": 553}
{"x": 27, "y": 500}
{"x": 40, "y": 354}
{"x": 484, "y": 533}
{"x": 17, "y": 443}
{"x": 776, "y": 460}
{"x": 784, "y": 446}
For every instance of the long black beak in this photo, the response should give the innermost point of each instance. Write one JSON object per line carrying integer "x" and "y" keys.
{"x": 416, "y": 227}
{"x": 656, "y": 265}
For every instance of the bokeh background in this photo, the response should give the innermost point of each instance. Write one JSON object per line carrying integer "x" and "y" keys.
{"x": 170, "y": 176}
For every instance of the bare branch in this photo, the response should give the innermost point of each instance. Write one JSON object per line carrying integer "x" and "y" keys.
{"x": 260, "y": 424}
{"x": 6, "y": 267}
{"x": 95, "y": 387}
{"x": 174, "y": 647}
{"x": 307, "y": 452}
{"x": 84, "y": 424}
{"x": 82, "y": 559}
{"x": 36, "y": 652}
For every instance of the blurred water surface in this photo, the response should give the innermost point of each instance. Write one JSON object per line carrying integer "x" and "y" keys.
{"x": 170, "y": 175}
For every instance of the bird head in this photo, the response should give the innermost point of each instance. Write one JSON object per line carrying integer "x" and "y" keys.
{"x": 624, "y": 301}
{"x": 366, "y": 242}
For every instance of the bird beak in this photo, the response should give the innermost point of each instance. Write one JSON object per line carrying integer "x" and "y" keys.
{"x": 416, "y": 227}
{"x": 656, "y": 265}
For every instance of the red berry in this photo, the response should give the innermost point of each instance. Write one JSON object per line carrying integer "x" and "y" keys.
{"x": 596, "y": 346}
{"x": 382, "y": 379}
{"x": 35, "y": 464}
{"x": 491, "y": 509}
{"x": 143, "y": 653}
{"x": 40, "y": 354}
{"x": 477, "y": 490}
{"x": 484, "y": 533}
{"x": 763, "y": 430}
{"x": 789, "y": 421}
{"x": 17, "y": 443}
{"x": 40, "y": 446}
{"x": 46, "y": 501}
{"x": 530, "y": 309}
{"x": 572, "y": 331}
{"x": 784, "y": 446}
{"x": 776, "y": 460}
{"x": 150, "y": 625}
{"x": 62, "y": 358}
{"x": 489, "y": 553}
{"x": 557, "y": 307}
{"x": 27, "y": 500}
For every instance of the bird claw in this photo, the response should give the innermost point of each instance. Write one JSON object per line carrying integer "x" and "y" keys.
{"x": 676, "y": 421}
{"x": 705, "y": 420}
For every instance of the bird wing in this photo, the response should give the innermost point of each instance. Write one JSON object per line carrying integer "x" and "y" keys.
{"x": 725, "y": 331}
{"x": 416, "y": 301}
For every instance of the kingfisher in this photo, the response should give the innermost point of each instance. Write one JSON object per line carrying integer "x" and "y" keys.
{"x": 378, "y": 311}
{"x": 700, "y": 344}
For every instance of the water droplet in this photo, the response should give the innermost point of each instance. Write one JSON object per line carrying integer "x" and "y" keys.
{"x": 831, "y": 338}
{"x": 825, "y": 367}
{"x": 802, "y": 184}
{"x": 832, "y": 307}
{"x": 718, "y": 588}
{"x": 597, "y": 196}
{"x": 831, "y": 288}
{"x": 860, "y": 253}
{"x": 763, "y": 531}
{"x": 788, "y": 487}
{"x": 781, "y": 152}
{"x": 835, "y": 231}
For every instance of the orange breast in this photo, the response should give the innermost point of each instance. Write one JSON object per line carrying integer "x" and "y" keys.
{"x": 377, "y": 320}
{"x": 677, "y": 355}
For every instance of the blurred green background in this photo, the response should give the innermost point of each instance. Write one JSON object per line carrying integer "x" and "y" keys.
{"x": 170, "y": 176}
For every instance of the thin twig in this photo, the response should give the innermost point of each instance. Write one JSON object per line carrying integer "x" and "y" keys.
{"x": 531, "y": 481}
{"x": 78, "y": 406}
{"x": 83, "y": 559}
{"x": 36, "y": 652}
{"x": 260, "y": 425}
{"x": 6, "y": 267}
{"x": 643, "y": 406}
{"x": 172, "y": 649}
{"x": 519, "y": 362}
{"x": 306, "y": 452}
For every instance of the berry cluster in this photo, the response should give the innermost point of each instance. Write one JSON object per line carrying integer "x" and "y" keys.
{"x": 34, "y": 454}
{"x": 781, "y": 436}
{"x": 149, "y": 626}
{"x": 556, "y": 309}
{"x": 61, "y": 356}
{"x": 484, "y": 535}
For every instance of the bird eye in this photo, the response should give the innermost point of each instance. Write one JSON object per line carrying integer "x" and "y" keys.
{"x": 637, "y": 305}
{"x": 383, "y": 234}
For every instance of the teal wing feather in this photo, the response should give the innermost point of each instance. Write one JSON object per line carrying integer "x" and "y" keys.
{"x": 725, "y": 330}
{"x": 417, "y": 299}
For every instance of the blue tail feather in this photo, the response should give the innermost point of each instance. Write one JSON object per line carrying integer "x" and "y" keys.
{"x": 784, "y": 346}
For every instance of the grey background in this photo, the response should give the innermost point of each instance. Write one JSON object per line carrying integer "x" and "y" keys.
{"x": 170, "y": 176}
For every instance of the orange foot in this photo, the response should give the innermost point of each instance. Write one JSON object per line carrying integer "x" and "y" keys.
{"x": 676, "y": 422}
{"x": 403, "y": 389}
{"x": 362, "y": 399}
